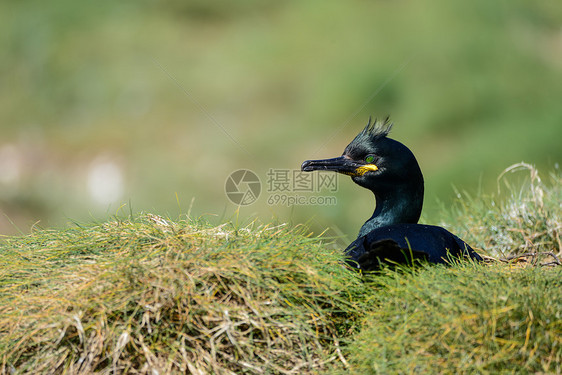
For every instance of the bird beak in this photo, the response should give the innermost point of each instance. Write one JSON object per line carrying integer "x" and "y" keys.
{"x": 340, "y": 164}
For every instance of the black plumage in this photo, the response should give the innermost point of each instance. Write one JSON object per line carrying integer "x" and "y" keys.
{"x": 392, "y": 235}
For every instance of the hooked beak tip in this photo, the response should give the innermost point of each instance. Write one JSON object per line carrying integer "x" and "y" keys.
{"x": 306, "y": 167}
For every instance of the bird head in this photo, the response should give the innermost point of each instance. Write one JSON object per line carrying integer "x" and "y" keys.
{"x": 375, "y": 162}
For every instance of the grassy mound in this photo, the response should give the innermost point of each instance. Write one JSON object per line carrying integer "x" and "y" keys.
{"x": 150, "y": 294}
{"x": 464, "y": 319}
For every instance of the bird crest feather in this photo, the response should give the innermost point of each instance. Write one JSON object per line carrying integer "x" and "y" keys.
{"x": 377, "y": 129}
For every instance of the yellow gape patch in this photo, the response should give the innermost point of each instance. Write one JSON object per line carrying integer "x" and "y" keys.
{"x": 365, "y": 168}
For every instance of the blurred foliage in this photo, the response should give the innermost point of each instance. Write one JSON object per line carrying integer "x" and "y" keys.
{"x": 177, "y": 95}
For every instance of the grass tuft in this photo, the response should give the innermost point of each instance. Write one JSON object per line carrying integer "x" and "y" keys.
{"x": 522, "y": 222}
{"x": 464, "y": 319}
{"x": 173, "y": 297}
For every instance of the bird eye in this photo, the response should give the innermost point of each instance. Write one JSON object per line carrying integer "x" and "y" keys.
{"x": 369, "y": 159}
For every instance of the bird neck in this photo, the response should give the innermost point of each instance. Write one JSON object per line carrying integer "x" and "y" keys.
{"x": 398, "y": 206}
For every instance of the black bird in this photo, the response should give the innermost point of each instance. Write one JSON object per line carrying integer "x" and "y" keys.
{"x": 392, "y": 235}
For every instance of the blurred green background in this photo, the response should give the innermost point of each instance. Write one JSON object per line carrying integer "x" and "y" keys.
{"x": 153, "y": 104}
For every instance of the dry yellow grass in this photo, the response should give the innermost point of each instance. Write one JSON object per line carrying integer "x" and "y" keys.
{"x": 155, "y": 295}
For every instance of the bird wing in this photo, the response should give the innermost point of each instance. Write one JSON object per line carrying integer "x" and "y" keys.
{"x": 388, "y": 252}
